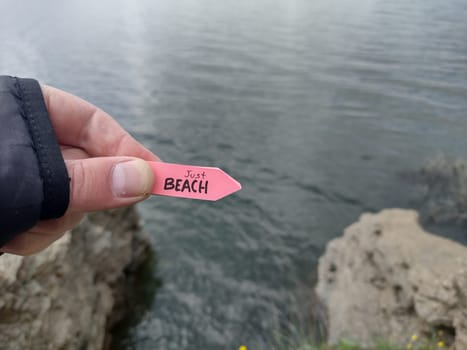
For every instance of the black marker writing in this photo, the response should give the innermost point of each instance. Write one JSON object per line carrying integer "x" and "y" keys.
{"x": 190, "y": 174}
{"x": 180, "y": 185}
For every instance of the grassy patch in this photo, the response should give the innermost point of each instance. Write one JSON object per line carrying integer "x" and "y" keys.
{"x": 438, "y": 340}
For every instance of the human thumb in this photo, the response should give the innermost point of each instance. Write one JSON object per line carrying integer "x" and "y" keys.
{"x": 108, "y": 182}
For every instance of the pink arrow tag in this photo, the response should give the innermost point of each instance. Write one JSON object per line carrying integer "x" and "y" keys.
{"x": 189, "y": 181}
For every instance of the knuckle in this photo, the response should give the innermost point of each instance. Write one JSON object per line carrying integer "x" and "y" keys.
{"x": 78, "y": 175}
{"x": 122, "y": 140}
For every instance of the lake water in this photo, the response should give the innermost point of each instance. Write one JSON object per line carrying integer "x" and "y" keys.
{"x": 316, "y": 107}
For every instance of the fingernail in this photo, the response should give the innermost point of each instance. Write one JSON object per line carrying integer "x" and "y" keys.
{"x": 133, "y": 178}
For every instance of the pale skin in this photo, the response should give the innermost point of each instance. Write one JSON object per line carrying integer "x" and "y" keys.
{"x": 92, "y": 144}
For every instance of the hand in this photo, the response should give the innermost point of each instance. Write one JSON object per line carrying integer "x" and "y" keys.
{"x": 105, "y": 165}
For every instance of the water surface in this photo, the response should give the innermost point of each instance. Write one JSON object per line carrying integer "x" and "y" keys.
{"x": 316, "y": 107}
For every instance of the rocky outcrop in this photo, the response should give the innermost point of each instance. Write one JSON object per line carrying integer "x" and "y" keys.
{"x": 64, "y": 297}
{"x": 388, "y": 278}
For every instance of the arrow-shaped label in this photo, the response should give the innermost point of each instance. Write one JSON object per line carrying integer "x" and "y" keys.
{"x": 189, "y": 181}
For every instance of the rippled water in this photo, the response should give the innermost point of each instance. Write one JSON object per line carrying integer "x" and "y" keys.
{"x": 316, "y": 107}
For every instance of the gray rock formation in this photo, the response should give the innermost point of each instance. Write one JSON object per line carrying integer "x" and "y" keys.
{"x": 386, "y": 278}
{"x": 63, "y": 297}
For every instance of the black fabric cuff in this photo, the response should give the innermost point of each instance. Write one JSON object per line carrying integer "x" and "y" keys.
{"x": 56, "y": 187}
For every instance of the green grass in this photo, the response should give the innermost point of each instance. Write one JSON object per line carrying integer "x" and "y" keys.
{"x": 434, "y": 342}
{"x": 344, "y": 345}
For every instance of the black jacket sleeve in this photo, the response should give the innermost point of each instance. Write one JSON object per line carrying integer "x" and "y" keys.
{"x": 34, "y": 183}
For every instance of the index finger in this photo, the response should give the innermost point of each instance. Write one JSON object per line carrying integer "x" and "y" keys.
{"x": 80, "y": 124}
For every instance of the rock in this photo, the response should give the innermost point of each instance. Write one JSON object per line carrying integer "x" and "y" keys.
{"x": 65, "y": 296}
{"x": 440, "y": 191}
{"x": 387, "y": 278}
